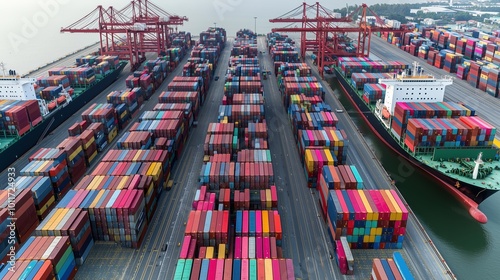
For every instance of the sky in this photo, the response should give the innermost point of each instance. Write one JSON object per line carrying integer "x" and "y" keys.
{"x": 31, "y": 37}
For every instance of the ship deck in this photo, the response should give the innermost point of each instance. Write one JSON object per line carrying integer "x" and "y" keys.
{"x": 6, "y": 141}
{"x": 305, "y": 239}
{"x": 491, "y": 182}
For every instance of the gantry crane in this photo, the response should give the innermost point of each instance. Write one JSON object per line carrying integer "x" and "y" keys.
{"x": 130, "y": 32}
{"x": 327, "y": 32}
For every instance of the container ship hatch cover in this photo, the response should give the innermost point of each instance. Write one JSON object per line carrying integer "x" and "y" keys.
{"x": 26, "y": 117}
{"x": 405, "y": 110}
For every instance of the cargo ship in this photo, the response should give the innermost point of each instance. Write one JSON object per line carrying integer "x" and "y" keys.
{"x": 446, "y": 140}
{"x": 14, "y": 140}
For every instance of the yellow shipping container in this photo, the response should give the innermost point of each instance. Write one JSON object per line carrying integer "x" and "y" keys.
{"x": 329, "y": 157}
{"x": 265, "y": 223}
{"x": 96, "y": 199}
{"x": 75, "y": 153}
{"x": 369, "y": 211}
{"x": 496, "y": 142}
{"x": 45, "y": 229}
{"x": 94, "y": 182}
{"x": 399, "y": 212}
{"x": 63, "y": 221}
{"x": 222, "y": 251}
{"x": 209, "y": 254}
{"x": 87, "y": 145}
{"x": 269, "y": 203}
{"x": 269, "y": 269}
{"x": 42, "y": 167}
{"x": 393, "y": 213}
{"x": 309, "y": 160}
{"x": 112, "y": 134}
{"x": 46, "y": 206}
{"x": 52, "y": 228}
{"x": 122, "y": 183}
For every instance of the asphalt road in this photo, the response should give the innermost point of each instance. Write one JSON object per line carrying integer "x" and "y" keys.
{"x": 485, "y": 105}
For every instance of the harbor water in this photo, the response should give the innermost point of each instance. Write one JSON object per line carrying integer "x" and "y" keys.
{"x": 470, "y": 248}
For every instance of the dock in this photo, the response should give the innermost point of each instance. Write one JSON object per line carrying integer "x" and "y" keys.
{"x": 305, "y": 239}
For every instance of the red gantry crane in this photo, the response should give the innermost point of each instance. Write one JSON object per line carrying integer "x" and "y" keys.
{"x": 327, "y": 33}
{"x": 131, "y": 32}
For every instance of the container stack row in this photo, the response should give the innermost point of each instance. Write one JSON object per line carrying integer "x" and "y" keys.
{"x": 189, "y": 85}
{"x": 367, "y": 65}
{"x": 464, "y": 131}
{"x": 181, "y": 97}
{"x": 243, "y": 79}
{"x": 18, "y": 117}
{"x": 367, "y": 219}
{"x": 213, "y": 37}
{"x": 295, "y": 79}
{"x": 181, "y": 39}
{"x": 42, "y": 192}
{"x": 78, "y": 76}
{"x": 245, "y": 45}
{"x": 126, "y": 103}
{"x": 291, "y": 69}
{"x": 230, "y": 233}
{"x": 43, "y": 257}
{"x": 283, "y": 50}
{"x": 53, "y": 163}
{"x": 115, "y": 215}
{"x": 391, "y": 268}
{"x": 341, "y": 177}
{"x": 17, "y": 205}
{"x": 442, "y": 124}
{"x": 46, "y": 206}
{"x": 74, "y": 223}
{"x": 358, "y": 80}
{"x": 185, "y": 108}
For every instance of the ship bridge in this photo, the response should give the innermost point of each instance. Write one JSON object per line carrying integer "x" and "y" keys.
{"x": 414, "y": 88}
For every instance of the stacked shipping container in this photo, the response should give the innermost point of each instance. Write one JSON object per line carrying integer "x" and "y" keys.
{"x": 108, "y": 195}
{"x": 369, "y": 219}
{"x": 210, "y": 249}
{"x": 473, "y": 56}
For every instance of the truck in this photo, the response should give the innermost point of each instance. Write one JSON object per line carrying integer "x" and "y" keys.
{"x": 265, "y": 73}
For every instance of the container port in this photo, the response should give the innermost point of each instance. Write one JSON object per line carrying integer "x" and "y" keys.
{"x": 234, "y": 185}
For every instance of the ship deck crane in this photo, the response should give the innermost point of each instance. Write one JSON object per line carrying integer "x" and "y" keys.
{"x": 324, "y": 33}
{"x": 131, "y": 32}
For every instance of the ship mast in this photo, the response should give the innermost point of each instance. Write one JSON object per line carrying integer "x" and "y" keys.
{"x": 478, "y": 162}
{"x": 2, "y": 67}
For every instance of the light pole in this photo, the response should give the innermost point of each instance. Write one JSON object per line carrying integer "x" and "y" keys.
{"x": 255, "y": 25}
{"x": 215, "y": 24}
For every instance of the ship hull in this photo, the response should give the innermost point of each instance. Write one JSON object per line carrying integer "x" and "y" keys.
{"x": 54, "y": 120}
{"x": 469, "y": 195}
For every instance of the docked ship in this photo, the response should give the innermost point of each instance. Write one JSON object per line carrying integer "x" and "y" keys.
{"x": 51, "y": 112}
{"x": 446, "y": 143}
